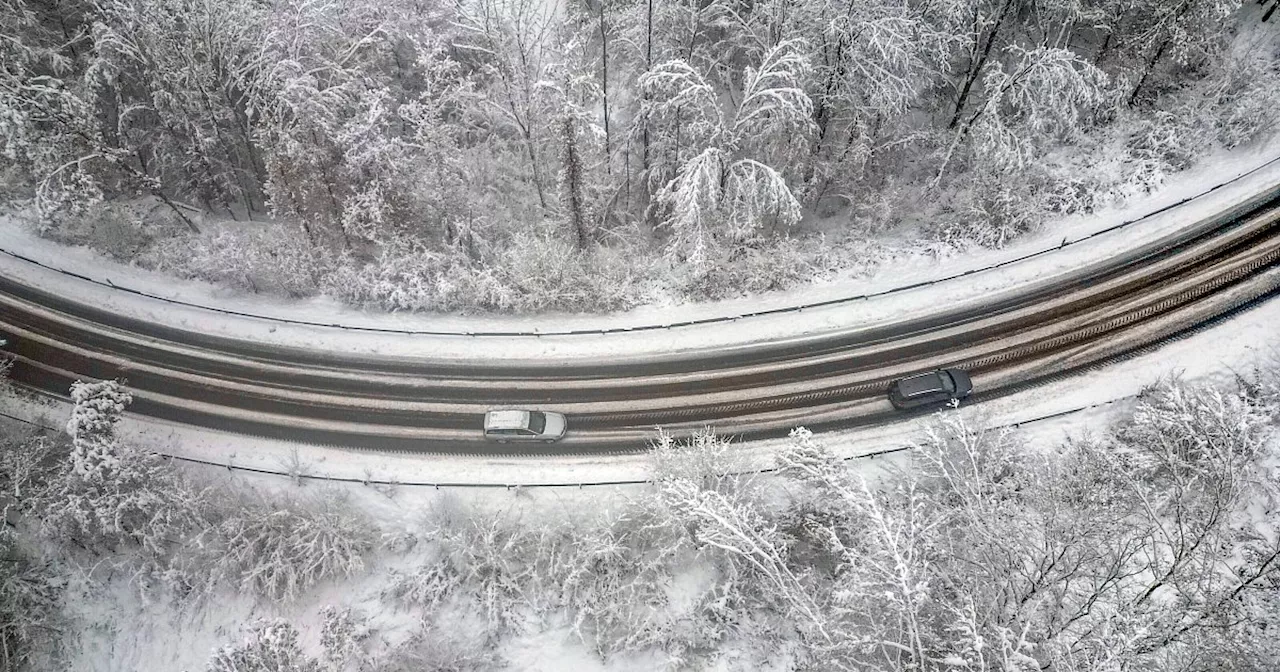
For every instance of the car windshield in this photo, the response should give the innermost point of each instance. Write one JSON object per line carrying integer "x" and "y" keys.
{"x": 537, "y": 421}
{"x": 948, "y": 383}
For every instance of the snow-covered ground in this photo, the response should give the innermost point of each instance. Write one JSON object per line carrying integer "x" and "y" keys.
{"x": 1255, "y": 164}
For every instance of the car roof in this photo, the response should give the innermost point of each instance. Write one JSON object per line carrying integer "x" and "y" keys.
{"x": 920, "y": 384}
{"x": 506, "y": 420}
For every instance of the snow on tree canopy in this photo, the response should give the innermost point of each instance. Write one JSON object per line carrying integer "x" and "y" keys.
{"x": 97, "y": 411}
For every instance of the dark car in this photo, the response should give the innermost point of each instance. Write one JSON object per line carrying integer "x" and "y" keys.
{"x": 932, "y": 388}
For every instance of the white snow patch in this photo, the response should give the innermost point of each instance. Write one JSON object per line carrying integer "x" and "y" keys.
{"x": 554, "y": 650}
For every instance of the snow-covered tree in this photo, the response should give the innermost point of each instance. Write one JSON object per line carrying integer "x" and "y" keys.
{"x": 717, "y": 511}
{"x": 31, "y": 594}
{"x": 97, "y": 410}
{"x": 728, "y": 187}
{"x": 873, "y": 62}
{"x": 1182, "y": 31}
{"x": 745, "y": 539}
{"x": 279, "y": 549}
{"x": 390, "y": 133}
{"x": 176, "y": 82}
{"x": 580, "y": 150}
{"x": 267, "y": 646}
{"x": 1045, "y": 93}
{"x": 111, "y": 494}
{"x": 512, "y": 40}
{"x": 71, "y": 80}
{"x": 1139, "y": 550}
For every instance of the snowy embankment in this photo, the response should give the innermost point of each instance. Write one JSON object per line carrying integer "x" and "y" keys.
{"x": 1223, "y": 179}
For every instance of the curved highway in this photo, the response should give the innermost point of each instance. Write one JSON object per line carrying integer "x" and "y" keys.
{"x": 1098, "y": 312}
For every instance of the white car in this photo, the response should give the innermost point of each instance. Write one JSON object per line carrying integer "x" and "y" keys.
{"x": 504, "y": 426}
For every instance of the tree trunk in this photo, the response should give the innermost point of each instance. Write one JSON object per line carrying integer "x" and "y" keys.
{"x": 604, "y": 85}
{"x": 978, "y": 63}
{"x": 527, "y": 136}
{"x": 1152, "y": 62}
{"x": 533, "y": 163}
{"x": 1146, "y": 72}
{"x": 573, "y": 199}
{"x": 1102, "y": 50}
{"x": 822, "y": 110}
{"x": 648, "y": 64}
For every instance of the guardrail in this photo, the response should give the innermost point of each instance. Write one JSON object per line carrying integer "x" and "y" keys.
{"x": 524, "y": 486}
{"x": 645, "y": 327}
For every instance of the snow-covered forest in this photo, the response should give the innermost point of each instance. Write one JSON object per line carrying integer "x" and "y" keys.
{"x": 1150, "y": 545}
{"x": 521, "y": 155}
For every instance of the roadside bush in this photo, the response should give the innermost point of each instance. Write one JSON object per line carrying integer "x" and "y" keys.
{"x": 763, "y": 265}
{"x": 1236, "y": 101}
{"x": 31, "y": 592}
{"x": 547, "y": 273}
{"x": 271, "y": 259}
{"x": 532, "y": 273}
{"x": 267, "y": 646}
{"x": 344, "y": 636}
{"x": 708, "y": 460}
{"x": 503, "y": 564}
{"x": 1062, "y": 191}
{"x": 123, "y": 230}
{"x": 1229, "y": 106}
{"x": 280, "y": 548}
{"x": 610, "y": 576}
{"x": 441, "y": 643}
{"x": 1178, "y": 427}
{"x": 999, "y": 213}
{"x": 617, "y": 590}
{"x": 727, "y": 523}
{"x": 1262, "y": 384}
{"x": 28, "y": 464}
{"x": 417, "y": 279}
{"x": 1245, "y": 108}
{"x": 1165, "y": 142}
{"x": 992, "y": 208}
{"x": 451, "y": 646}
